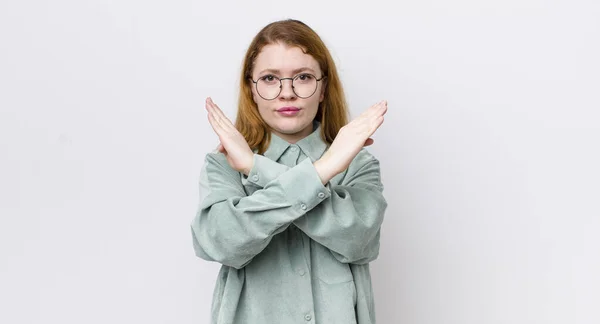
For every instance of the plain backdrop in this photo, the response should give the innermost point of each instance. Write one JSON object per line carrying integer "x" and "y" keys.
{"x": 489, "y": 153}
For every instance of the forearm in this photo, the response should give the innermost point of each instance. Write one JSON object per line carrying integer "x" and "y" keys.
{"x": 325, "y": 169}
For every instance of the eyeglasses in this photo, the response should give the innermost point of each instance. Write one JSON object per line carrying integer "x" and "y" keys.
{"x": 269, "y": 86}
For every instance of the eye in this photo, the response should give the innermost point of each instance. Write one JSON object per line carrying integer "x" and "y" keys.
{"x": 304, "y": 77}
{"x": 268, "y": 78}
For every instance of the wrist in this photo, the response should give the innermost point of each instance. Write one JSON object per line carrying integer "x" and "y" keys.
{"x": 249, "y": 165}
{"x": 324, "y": 170}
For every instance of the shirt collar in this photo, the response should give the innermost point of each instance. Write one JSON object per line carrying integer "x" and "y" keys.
{"x": 312, "y": 145}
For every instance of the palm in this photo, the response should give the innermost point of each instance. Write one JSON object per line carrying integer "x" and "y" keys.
{"x": 356, "y": 134}
{"x": 233, "y": 144}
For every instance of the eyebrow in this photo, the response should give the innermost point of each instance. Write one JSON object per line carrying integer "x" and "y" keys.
{"x": 275, "y": 71}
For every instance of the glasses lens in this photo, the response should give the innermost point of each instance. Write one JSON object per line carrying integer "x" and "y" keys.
{"x": 268, "y": 87}
{"x": 305, "y": 85}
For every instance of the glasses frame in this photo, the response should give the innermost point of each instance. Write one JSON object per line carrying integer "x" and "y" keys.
{"x": 293, "y": 89}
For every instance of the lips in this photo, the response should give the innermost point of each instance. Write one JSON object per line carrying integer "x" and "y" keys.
{"x": 288, "y": 109}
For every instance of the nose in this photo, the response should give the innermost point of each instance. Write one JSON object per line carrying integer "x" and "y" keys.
{"x": 287, "y": 89}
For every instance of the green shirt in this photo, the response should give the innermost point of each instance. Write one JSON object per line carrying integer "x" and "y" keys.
{"x": 292, "y": 249}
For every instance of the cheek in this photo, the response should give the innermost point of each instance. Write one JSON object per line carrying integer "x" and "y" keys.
{"x": 254, "y": 96}
{"x": 262, "y": 111}
{"x": 314, "y": 106}
{"x": 322, "y": 94}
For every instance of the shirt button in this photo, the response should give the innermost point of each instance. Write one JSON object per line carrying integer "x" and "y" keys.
{"x": 301, "y": 272}
{"x": 294, "y": 149}
{"x": 255, "y": 177}
{"x": 303, "y": 206}
{"x": 307, "y": 317}
{"x": 321, "y": 195}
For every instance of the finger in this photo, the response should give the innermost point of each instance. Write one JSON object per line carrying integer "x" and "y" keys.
{"x": 206, "y": 103}
{"x": 380, "y": 110}
{"x": 372, "y": 126}
{"x": 221, "y": 122}
{"x": 214, "y": 124}
{"x": 214, "y": 111}
{"x": 378, "y": 123}
{"x": 384, "y": 107}
{"x": 374, "y": 109}
{"x": 211, "y": 115}
{"x": 217, "y": 111}
{"x": 366, "y": 123}
{"x": 225, "y": 122}
{"x": 210, "y": 108}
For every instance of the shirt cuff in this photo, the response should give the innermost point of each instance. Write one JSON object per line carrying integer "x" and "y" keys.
{"x": 303, "y": 186}
{"x": 263, "y": 171}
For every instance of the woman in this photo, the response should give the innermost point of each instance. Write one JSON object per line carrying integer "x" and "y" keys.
{"x": 291, "y": 203}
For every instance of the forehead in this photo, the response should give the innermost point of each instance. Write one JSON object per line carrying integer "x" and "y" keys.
{"x": 284, "y": 58}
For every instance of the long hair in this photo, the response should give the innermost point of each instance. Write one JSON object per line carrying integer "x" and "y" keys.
{"x": 333, "y": 110}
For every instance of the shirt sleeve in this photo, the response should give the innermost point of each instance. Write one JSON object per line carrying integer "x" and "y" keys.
{"x": 348, "y": 220}
{"x": 264, "y": 171}
{"x": 231, "y": 227}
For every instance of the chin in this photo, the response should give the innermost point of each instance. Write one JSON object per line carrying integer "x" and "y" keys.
{"x": 294, "y": 128}
{"x": 288, "y": 131}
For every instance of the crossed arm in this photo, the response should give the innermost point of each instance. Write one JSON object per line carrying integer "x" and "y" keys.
{"x": 231, "y": 227}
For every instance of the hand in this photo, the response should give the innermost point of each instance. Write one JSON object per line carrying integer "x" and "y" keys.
{"x": 349, "y": 141}
{"x": 233, "y": 144}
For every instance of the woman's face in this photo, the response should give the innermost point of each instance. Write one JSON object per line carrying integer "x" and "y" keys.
{"x": 289, "y": 115}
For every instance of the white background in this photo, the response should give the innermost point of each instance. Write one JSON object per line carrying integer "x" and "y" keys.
{"x": 490, "y": 153}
